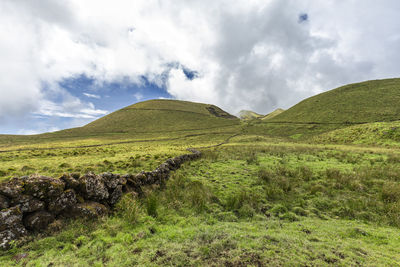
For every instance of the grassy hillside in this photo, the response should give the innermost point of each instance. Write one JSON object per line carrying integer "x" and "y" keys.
{"x": 369, "y": 101}
{"x": 274, "y": 113}
{"x": 377, "y": 133}
{"x": 248, "y": 115}
{"x": 159, "y": 116}
{"x": 153, "y": 119}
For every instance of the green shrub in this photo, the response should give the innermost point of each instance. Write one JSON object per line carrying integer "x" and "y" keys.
{"x": 273, "y": 192}
{"x": 317, "y": 188}
{"x": 266, "y": 175}
{"x": 323, "y": 204}
{"x": 279, "y": 209}
{"x": 305, "y": 173}
{"x": 300, "y": 211}
{"x": 246, "y": 211}
{"x": 198, "y": 195}
{"x": 390, "y": 192}
{"x": 128, "y": 208}
{"x": 289, "y": 216}
{"x": 251, "y": 158}
{"x": 64, "y": 165}
{"x": 152, "y": 205}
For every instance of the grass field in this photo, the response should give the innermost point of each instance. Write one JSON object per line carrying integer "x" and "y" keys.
{"x": 261, "y": 195}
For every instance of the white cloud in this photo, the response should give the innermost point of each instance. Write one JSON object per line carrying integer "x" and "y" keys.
{"x": 139, "y": 96}
{"x": 92, "y": 95}
{"x": 248, "y": 54}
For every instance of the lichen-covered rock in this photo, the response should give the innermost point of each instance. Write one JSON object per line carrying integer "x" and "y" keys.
{"x": 28, "y": 204}
{"x": 4, "y": 202}
{"x": 38, "y": 220}
{"x": 43, "y": 187}
{"x": 116, "y": 195}
{"x": 88, "y": 210}
{"x": 71, "y": 180}
{"x": 7, "y": 236}
{"x": 9, "y": 218}
{"x": 12, "y": 188}
{"x": 112, "y": 180}
{"x": 92, "y": 187}
{"x": 11, "y": 227}
{"x": 66, "y": 200}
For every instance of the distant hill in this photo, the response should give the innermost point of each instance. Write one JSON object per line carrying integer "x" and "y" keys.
{"x": 248, "y": 115}
{"x": 160, "y": 116}
{"x": 274, "y": 113}
{"x": 370, "y": 101}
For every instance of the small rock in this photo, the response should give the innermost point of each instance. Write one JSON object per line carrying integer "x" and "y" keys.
{"x": 71, "y": 181}
{"x": 65, "y": 201}
{"x": 11, "y": 227}
{"x": 19, "y": 257}
{"x": 9, "y": 218}
{"x": 7, "y": 236}
{"x": 116, "y": 195}
{"x": 88, "y": 210}
{"x": 38, "y": 220}
{"x": 113, "y": 180}
{"x": 4, "y": 202}
{"x": 32, "y": 205}
{"x": 12, "y": 188}
{"x": 93, "y": 187}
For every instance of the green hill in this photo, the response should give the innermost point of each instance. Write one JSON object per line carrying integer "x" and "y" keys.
{"x": 145, "y": 120}
{"x": 162, "y": 116}
{"x": 274, "y": 113}
{"x": 364, "y": 102}
{"x": 249, "y": 115}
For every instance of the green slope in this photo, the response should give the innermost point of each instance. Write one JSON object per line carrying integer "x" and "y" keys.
{"x": 249, "y": 115}
{"x": 274, "y": 113}
{"x": 148, "y": 119}
{"x": 161, "y": 116}
{"x": 375, "y": 133}
{"x": 369, "y": 101}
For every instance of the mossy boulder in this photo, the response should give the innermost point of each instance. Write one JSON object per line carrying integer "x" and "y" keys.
{"x": 71, "y": 181}
{"x": 13, "y": 188}
{"x": 93, "y": 187}
{"x": 11, "y": 227}
{"x": 4, "y": 202}
{"x": 66, "y": 200}
{"x": 89, "y": 210}
{"x": 38, "y": 220}
{"x": 115, "y": 195}
{"x": 43, "y": 187}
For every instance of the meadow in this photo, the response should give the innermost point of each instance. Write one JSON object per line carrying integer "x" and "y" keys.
{"x": 264, "y": 193}
{"x": 253, "y": 201}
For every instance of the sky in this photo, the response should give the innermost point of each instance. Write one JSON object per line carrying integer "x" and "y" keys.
{"x": 65, "y": 63}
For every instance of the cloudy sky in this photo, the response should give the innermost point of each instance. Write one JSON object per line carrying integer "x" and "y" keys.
{"x": 65, "y": 63}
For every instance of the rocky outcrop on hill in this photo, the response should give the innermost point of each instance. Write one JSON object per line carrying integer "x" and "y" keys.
{"x": 30, "y": 203}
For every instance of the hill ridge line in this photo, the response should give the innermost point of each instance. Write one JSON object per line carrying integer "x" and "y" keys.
{"x": 185, "y": 111}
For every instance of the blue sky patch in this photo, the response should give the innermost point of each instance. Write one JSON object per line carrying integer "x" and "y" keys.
{"x": 303, "y": 17}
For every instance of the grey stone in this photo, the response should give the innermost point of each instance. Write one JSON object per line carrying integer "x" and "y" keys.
{"x": 92, "y": 187}
{"x": 43, "y": 187}
{"x": 66, "y": 200}
{"x": 38, "y": 220}
{"x": 88, "y": 210}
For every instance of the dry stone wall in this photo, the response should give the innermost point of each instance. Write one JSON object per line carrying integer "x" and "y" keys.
{"x": 30, "y": 204}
